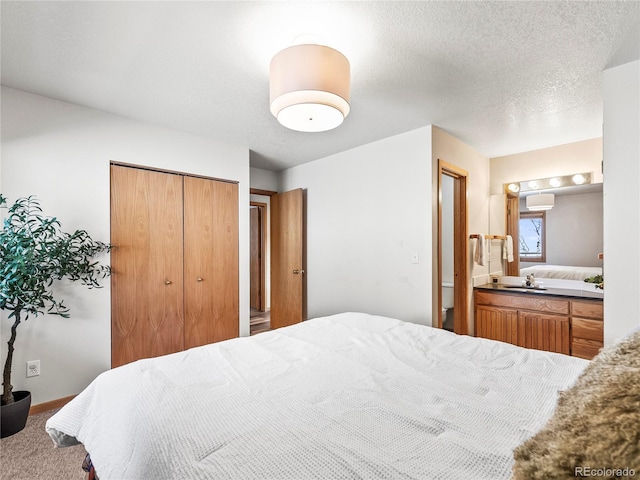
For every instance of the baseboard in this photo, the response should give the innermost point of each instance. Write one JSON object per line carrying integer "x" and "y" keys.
{"x": 52, "y": 405}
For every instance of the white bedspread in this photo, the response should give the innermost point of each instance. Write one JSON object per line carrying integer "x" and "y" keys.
{"x": 346, "y": 396}
{"x": 564, "y": 272}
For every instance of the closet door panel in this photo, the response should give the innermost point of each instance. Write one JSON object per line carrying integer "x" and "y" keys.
{"x": 146, "y": 260}
{"x": 211, "y": 261}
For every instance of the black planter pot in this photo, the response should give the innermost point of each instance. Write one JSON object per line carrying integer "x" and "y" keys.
{"x": 14, "y": 416}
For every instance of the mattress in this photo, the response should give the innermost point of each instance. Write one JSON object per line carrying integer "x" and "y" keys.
{"x": 565, "y": 272}
{"x": 344, "y": 396}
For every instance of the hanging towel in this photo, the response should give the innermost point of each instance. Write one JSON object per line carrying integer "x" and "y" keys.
{"x": 507, "y": 249}
{"x": 478, "y": 255}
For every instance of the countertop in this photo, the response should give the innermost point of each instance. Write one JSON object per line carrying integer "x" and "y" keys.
{"x": 590, "y": 293}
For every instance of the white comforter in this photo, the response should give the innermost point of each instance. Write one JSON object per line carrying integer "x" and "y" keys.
{"x": 347, "y": 396}
{"x": 564, "y": 272}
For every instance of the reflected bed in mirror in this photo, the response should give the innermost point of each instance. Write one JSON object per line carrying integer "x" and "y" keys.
{"x": 572, "y": 234}
{"x": 564, "y": 272}
{"x": 569, "y": 240}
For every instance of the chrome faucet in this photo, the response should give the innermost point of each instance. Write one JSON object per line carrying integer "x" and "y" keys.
{"x": 530, "y": 281}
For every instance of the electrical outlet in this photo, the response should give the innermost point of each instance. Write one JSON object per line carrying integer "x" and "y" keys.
{"x": 33, "y": 368}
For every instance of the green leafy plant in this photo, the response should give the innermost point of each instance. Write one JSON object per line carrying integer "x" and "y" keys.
{"x": 34, "y": 253}
{"x": 597, "y": 279}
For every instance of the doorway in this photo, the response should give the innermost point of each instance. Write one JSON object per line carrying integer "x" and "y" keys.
{"x": 453, "y": 285}
{"x": 279, "y": 262}
{"x": 259, "y": 320}
{"x": 258, "y": 231}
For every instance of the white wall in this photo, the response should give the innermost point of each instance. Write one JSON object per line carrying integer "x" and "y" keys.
{"x": 264, "y": 179}
{"x": 61, "y": 153}
{"x": 578, "y": 157}
{"x": 368, "y": 209}
{"x": 498, "y": 226}
{"x": 621, "y": 96}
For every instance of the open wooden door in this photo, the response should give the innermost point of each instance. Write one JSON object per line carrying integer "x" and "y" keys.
{"x": 287, "y": 273}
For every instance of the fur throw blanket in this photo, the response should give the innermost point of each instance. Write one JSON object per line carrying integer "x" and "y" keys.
{"x": 595, "y": 430}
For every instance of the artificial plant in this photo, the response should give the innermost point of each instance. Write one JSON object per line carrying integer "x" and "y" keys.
{"x": 597, "y": 279}
{"x": 34, "y": 253}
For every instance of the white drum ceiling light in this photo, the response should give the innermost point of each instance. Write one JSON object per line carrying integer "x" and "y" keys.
{"x": 542, "y": 201}
{"x": 309, "y": 87}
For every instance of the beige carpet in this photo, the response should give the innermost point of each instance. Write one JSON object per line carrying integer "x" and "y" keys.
{"x": 30, "y": 455}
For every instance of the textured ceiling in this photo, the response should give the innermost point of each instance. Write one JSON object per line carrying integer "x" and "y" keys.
{"x": 504, "y": 77}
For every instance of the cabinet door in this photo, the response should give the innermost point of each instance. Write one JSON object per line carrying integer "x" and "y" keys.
{"x": 146, "y": 263}
{"x": 543, "y": 332}
{"x": 497, "y": 324}
{"x": 210, "y": 261}
{"x": 584, "y": 348}
{"x": 587, "y": 328}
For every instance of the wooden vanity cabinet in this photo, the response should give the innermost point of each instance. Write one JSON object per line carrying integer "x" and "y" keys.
{"x": 497, "y": 323}
{"x": 533, "y": 320}
{"x": 587, "y": 328}
{"x": 544, "y": 332}
{"x": 527, "y": 321}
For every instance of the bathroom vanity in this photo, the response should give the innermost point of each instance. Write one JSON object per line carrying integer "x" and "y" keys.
{"x": 553, "y": 319}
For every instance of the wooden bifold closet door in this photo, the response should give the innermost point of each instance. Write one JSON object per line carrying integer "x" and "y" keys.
{"x": 174, "y": 282}
{"x": 210, "y": 261}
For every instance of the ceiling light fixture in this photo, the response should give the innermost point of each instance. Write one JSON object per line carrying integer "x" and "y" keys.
{"x": 555, "y": 182}
{"x": 578, "y": 179}
{"x": 543, "y": 184}
{"x": 542, "y": 201}
{"x": 309, "y": 87}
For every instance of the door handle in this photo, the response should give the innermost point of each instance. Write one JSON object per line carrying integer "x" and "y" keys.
{"x": 199, "y": 279}
{"x": 297, "y": 272}
{"x": 168, "y": 282}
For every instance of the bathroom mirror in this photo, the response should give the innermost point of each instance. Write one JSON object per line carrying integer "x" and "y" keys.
{"x": 572, "y": 236}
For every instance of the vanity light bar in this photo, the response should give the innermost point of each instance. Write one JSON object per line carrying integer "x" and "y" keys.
{"x": 547, "y": 183}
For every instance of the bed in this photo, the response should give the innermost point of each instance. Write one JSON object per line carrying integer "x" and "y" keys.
{"x": 345, "y": 396}
{"x": 564, "y": 272}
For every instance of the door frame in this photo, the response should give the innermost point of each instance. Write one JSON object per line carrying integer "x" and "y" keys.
{"x": 262, "y": 219}
{"x": 266, "y": 239}
{"x": 460, "y": 247}
{"x": 512, "y": 214}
